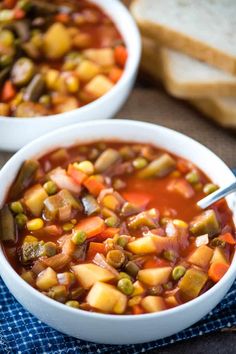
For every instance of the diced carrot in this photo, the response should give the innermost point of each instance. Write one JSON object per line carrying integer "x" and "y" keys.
{"x": 94, "y": 248}
{"x": 155, "y": 263}
{"x": 19, "y": 14}
{"x": 93, "y": 185}
{"x": 137, "y": 310}
{"x": 62, "y": 17}
{"x": 182, "y": 166}
{"x": 91, "y": 226}
{"x": 108, "y": 233}
{"x": 121, "y": 55}
{"x": 228, "y": 238}
{"x": 217, "y": 271}
{"x": 78, "y": 176}
{"x": 8, "y": 91}
{"x": 115, "y": 74}
{"x": 9, "y": 4}
{"x": 139, "y": 199}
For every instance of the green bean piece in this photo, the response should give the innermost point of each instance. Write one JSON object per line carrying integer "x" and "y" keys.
{"x": 25, "y": 178}
{"x": 35, "y": 88}
{"x": 21, "y": 220}
{"x": 178, "y": 272}
{"x": 132, "y": 268}
{"x": 115, "y": 258}
{"x": 22, "y": 71}
{"x": 8, "y": 231}
{"x": 169, "y": 255}
{"x": 90, "y": 205}
{"x": 112, "y": 221}
{"x": 4, "y": 74}
{"x": 16, "y": 207}
{"x": 210, "y": 188}
{"x": 205, "y": 223}
{"x": 22, "y": 30}
{"x": 122, "y": 241}
{"x": 155, "y": 290}
{"x": 79, "y": 237}
{"x": 50, "y": 187}
{"x": 139, "y": 163}
{"x": 192, "y": 177}
{"x": 73, "y": 303}
{"x": 129, "y": 209}
{"x": 159, "y": 167}
{"x": 125, "y": 285}
{"x": 106, "y": 160}
{"x": 76, "y": 293}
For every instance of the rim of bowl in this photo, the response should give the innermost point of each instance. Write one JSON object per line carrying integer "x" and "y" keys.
{"x": 183, "y": 307}
{"x": 134, "y": 55}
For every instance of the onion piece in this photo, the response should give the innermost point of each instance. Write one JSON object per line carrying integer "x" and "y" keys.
{"x": 202, "y": 240}
{"x": 63, "y": 181}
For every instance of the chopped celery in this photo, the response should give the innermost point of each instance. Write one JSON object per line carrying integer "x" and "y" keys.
{"x": 106, "y": 160}
{"x": 192, "y": 283}
{"x": 159, "y": 167}
{"x": 31, "y": 251}
{"x": 206, "y": 223}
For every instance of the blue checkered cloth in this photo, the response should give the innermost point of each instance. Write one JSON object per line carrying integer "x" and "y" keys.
{"x": 20, "y": 332}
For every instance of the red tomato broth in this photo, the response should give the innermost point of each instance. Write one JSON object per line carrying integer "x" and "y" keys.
{"x": 155, "y": 194}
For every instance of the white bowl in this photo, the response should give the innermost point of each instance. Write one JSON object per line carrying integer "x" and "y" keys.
{"x": 16, "y": 132}
{"x": 117, "y": 329}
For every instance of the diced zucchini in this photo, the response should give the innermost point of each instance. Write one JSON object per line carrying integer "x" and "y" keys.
{"x": 154, "y": 276}
{"x": 143, "y": 245}
{"x": 147, "y": 218}
{"x": 153, "y": 303}
{"x": 192, "y": 283}
{"x": 201, "y": 256}
{"x": 56, "y": 41}
{"x": 98, "y": 86}
{"x": 103, "y": 56}
{"x": 90, "y": 205}
{"x": 206, "y": 223}
{"x": 89, "y": 274}
{"x": 107, "y": 298}
{"x": 219, "y": 256}
{"x": 159, "y": 167}
{"x": 46, "y": 279}
{"x": 34, "y": 199}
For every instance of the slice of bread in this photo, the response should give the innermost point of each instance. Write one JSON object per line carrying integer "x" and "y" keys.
{"x": 185, "y": 76}
{"x": 204, "y": 29}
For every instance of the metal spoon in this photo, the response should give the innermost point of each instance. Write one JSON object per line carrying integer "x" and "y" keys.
{"x": 217, "y": 195}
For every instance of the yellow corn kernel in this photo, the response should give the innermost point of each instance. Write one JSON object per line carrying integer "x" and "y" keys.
{"x": 72, "y": 84}
{"x": 134, "y": 301}
{"x": 35, "y": 224}
{"x": 110, "y": 202}
{"x": 87, "y": 70}
{"x": 180, "y": 223}
{"x": 17, "y": 100}
{"x": 175, "y": 174}
{"x": 85, "y": 166}
{"x": 29, "y": 239}
{"x": 51, "y": 78}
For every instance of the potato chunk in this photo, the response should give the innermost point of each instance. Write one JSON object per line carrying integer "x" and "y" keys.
{"x": 46, "y": 279}
{"x": 219, "y": 256}
{"x": 89, "y": 274}
{"x": 143, "y": 245}
{"x": 201, "y": 256}
{"x": 107, "y": 298}
{"x": 98, "y": 86}
{"x": 57, "y": 41}
{"x": 206, "y": 223}
{"x": 154, "y": 276}
{"x": 34, "y": 199}
{"x": 192, "y": 283}
{"x": 87, "y": 70}
{"x": 153, "y": 303}
{"x": 103, "y": 56}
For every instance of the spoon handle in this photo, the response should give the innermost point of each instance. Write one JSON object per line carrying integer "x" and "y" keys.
{"x": 217, "y": 195}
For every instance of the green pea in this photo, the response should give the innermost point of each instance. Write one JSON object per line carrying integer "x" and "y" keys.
{"x": 79, "y": 237}
{"x": 140, "y": 162}
{"x": 125, "y": 286}
{"x": 50, "y": 187}
{"x": 112, "y": 221}
{"x": 210, "y": 188}
{"x": 192, "y": 177}
{"x": 115, "y": 258}
{"x": 178, "y": 272}
{"x": 16, "y": 207}
{"x": 122, "y": 241}
{"x": 21, "y": 220}
{"x": 124, "y": 275}
{"x": 73, "y": 303}
{"x": 169, "y": 255}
